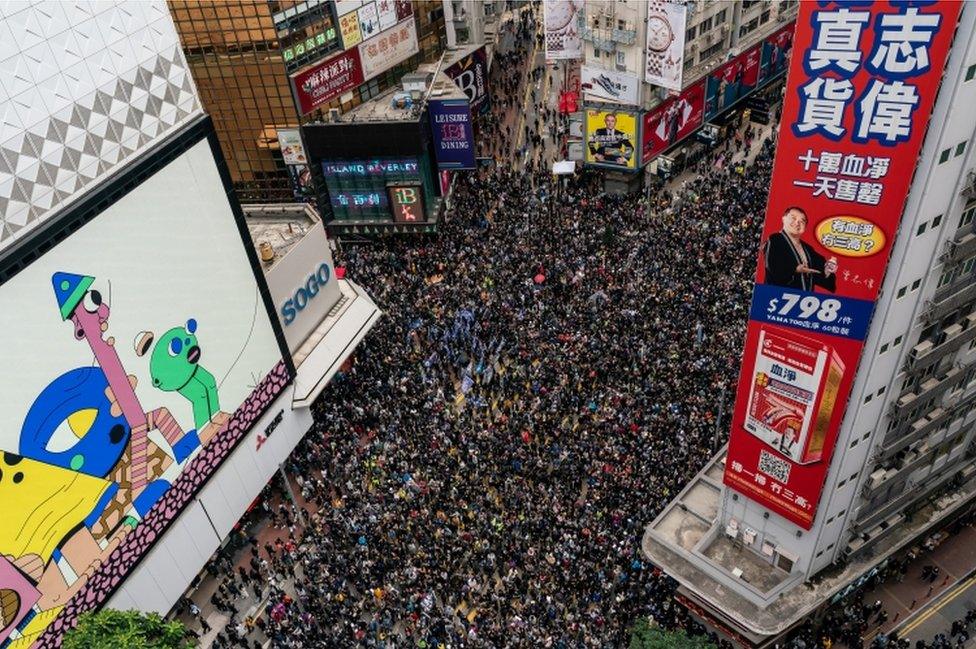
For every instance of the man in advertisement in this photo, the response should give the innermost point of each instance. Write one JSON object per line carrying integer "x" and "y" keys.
{"x": 610, "y": 145}
{"x": 791, "y": 262}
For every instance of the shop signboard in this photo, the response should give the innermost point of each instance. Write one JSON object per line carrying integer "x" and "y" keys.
{"x": 450, "y": 121}
{"x": 349, "y": 28}
{"x": 407, "y": 203}
{"x": 322, "y": 82}
{"x": 863, "y": 78}
{"x": 672, "y": 120}
{"x": 470, "y": 74}
{"x": 389, "y": 48}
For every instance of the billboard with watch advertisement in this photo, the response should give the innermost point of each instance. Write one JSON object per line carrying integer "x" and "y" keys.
{"x": 854, "y": 117}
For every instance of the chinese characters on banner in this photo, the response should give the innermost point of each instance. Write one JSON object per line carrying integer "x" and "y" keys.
{"x": 450, "y": 120}
{"x": 665, "y": 43}
{"x": 392, "y": 47}
{"x": 319, "y": 84}
{"x": 672, "y": 120}
{"x": 863, "y": 78}
{"x": 562, "y": 18}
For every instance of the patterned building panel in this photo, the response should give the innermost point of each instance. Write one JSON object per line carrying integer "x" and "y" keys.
{"x": 84, "y": 88}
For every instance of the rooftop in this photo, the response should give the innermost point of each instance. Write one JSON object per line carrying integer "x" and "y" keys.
{"x": 279, "y": 225}
{"x": 399, "y": 104}
{"x": 684, "y": 540}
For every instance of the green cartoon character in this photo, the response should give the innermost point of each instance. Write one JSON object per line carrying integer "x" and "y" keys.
{"x": 175, "y": 367}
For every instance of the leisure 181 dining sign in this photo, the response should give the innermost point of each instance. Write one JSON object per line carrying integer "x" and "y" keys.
{"x": 862, "y": 81}
{"x": 450, "y": 121}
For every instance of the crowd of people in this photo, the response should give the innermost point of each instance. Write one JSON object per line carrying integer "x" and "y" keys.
{"x": 545, "y": 378}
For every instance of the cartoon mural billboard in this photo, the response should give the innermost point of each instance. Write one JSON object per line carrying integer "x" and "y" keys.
{"x": 145, "y": 351}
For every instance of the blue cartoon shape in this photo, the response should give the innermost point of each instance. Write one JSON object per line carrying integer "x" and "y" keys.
{"x": 70, "y": 424}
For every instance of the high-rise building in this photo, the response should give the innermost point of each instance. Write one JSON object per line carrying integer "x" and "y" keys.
{"x": 902, "y": 465}
{"x": 245, "y": 54}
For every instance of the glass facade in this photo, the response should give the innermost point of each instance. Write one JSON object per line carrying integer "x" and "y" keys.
{"x": 241, "y": 53}
{"x": 358, "y": 189}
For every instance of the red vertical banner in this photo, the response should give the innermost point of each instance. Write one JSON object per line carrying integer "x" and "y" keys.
{"x": 862, "y": 81}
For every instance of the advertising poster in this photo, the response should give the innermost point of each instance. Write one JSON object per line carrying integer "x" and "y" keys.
{"x": 450, "y": 122}
{"x": 854, "y": 119}
{"x": 470, "y": 74}
{"x": 610, "y": 138}
{"x": 672, "y": 120}
{"x": 665, "y": 43}
{"x": 322, "y": 82}
{"x": 292, "y": 149}
{"x": 404, "y": 9}
{"x": 386, "y": 11}
{"x": 135, "y": 372}
{"x": 776, "y": 53}
{"x": 563, "y": 19}
{"x": 732, "y": 81}
{"x": 608, "y": 85}
{"x": 390, "y": 48}
{"x": 349, "y": 28}
{"x": 369, "y": 20}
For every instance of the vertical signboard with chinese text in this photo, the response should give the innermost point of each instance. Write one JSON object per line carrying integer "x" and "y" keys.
{"x": 450, "y": 120}
{"x": 863, "y": 79}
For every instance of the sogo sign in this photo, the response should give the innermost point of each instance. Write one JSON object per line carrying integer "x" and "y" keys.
{"x": 303, "y": 286}
{"x": 305, "y": 293}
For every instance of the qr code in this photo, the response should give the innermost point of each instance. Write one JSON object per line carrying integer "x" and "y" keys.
{"x": 774, "y": 467}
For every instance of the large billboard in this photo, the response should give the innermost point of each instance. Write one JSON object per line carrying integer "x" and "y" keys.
{"x": 672, "y": 120}
{"x": 450, "y": 122}
{"x": 610, "y": 138}
{"x": 470, "y": 74}
{"x": 776, "y": 53}
{"x": 145, "y": 351}
{"x": 665, "y": 43}
{"x": 854, "y": 117}
{"x": 389, "y": 48}
{"x": 732, "y": 81}
{"x": 562, "y": 19}
{"x": 322, "y": 82}
{"x": 608, "y": 85}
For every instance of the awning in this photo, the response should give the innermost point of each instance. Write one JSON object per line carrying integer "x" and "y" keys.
{"x": 332, "y": 342}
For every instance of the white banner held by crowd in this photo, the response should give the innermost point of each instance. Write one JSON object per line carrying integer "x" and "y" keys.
{"x": 563, "y": 29}
{"x": 665, "y": 43}
{"x": 620, "y": 87}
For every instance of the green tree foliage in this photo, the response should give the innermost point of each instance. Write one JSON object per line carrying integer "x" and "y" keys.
{"x": 647, "y": 636}
{"x": 107, "y": 629}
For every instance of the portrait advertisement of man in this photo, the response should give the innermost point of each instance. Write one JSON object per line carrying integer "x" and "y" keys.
{"x": 793, "y": 263}
{"x": 609, "y": 144}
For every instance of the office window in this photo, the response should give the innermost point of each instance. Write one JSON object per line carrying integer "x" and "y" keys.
{"x": 690, "y": 34}
{"x": 705, "y": 26}
{"x": 967, "y": 214}
{"x": 921, "y": 229}
{"x": 971, "y": 72}
{"x": 960, "y": 149}
{"x": 764, "y": 17}
{"x": 936, "y": 221}
{"x": 944, "y": 155}
{"x": 720, "y": 18}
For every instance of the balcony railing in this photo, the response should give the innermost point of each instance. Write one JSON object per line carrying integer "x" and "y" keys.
{"x": 612, "y": 36}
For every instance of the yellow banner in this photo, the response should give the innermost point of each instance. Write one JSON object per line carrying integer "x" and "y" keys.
{"x": 610, "y": 138}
